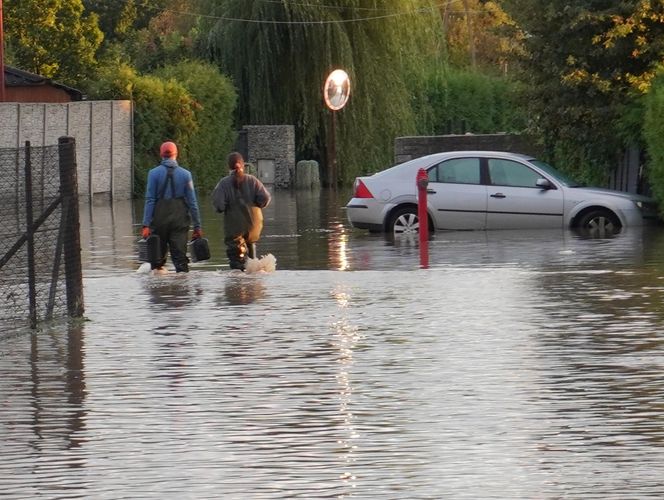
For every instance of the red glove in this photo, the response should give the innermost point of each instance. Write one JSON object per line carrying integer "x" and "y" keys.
{"x": 146, "y": 232}
{"x": 198, "y": 233}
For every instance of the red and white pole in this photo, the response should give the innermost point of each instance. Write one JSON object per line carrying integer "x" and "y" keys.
{"x": 422, "y": 184}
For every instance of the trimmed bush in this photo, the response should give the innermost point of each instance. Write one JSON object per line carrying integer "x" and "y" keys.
{"x": 653, "y": 131}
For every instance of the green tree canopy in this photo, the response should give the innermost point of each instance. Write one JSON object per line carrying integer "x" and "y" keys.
{"x": 279, "y": 54}
{"x": 583, "y": 61}
{"x": 55, "y": 39}
{"x": 117, "y": 18}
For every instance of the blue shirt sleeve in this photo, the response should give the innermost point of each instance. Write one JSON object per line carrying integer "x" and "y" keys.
{"x": 150, "y": 197}
{"x": 192, "y": 201}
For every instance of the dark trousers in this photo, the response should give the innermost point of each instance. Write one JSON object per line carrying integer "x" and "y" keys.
{"x": 238, "y": 249}
{"x": 171, "y": 223}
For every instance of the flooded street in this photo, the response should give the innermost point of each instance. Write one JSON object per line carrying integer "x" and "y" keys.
{"x": 520, "y": 364}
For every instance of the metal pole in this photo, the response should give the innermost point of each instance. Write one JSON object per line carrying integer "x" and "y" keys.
{"x": 422, "y": 181}
{"x": 332, "y": 151}
{"x": 2, "y": 58}
{"x": 30, "y": 231}
{"x": 72, "y": 237}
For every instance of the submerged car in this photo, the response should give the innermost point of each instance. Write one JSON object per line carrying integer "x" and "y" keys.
{"x": 490, "y": 190}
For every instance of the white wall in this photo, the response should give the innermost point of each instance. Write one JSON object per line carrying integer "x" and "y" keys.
{"x": 103, "y": 132}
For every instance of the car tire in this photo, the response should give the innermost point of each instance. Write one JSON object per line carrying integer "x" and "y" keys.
{"x": 599, "y": 222}
{"x": 404, "y": 221}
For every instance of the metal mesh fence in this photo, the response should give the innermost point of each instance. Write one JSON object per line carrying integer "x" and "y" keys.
{"x": 33, "y": 228}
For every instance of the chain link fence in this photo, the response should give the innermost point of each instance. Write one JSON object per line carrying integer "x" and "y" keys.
{"x": 40, "y": 266}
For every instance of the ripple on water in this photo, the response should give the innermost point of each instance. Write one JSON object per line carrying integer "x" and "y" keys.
{"x": 536, "y": 375}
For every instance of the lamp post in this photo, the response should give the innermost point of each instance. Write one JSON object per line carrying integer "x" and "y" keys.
{"x": 336, "y": 91}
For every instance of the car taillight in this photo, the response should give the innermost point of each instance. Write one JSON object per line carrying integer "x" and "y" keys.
{"x": 361, "y": 190}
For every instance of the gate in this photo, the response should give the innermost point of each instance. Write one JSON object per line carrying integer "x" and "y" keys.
{"x": 40, "y": 252}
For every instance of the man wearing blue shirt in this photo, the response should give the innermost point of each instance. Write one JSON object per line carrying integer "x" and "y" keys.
{"x": 170, "y": 207}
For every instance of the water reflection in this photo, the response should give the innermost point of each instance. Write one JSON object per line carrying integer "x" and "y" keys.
{"x": 241, "y": 290}
{"x": 172, "y": 290}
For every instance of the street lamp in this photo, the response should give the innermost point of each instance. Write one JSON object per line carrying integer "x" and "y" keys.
{"x": 336, "y": 91}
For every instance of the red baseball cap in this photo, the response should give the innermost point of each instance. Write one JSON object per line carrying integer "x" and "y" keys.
{"x": 168, "y": 150}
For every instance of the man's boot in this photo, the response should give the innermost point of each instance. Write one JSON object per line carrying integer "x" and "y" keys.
{"x": 251, "y": 250}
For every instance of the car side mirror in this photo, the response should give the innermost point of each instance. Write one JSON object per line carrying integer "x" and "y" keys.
{"x": 544, "y": 184}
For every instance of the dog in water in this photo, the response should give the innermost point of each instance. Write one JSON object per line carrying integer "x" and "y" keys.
{"x": 266, "y": 264}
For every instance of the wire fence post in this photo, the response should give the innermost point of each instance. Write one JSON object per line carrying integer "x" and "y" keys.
{"x": 30, "y": 238}
{"x": 72, "y": 237}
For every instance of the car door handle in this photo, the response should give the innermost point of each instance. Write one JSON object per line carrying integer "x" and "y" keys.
{"x": 431, "y": 191}
{"x": 498, "y": 195}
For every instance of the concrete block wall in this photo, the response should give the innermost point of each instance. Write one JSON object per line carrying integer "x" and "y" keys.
{"x": 104, "y": 139}
{"x": 407, "y": 148}
{"x": 271, "y": 144}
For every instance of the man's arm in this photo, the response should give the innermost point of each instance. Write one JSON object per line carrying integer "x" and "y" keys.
{"x": 150, "y": 198}
{"x": 262, "y": 197}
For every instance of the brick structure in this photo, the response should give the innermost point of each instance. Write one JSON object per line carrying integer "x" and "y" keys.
{"x": 407, "y": 148}
{"x": 271, "y": 149}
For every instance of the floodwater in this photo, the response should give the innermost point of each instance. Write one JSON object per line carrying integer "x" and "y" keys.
{"x": 518, "y": 365}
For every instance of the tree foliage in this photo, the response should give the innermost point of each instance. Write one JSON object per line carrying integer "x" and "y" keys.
{"x": 279, "y": 54}
{"x": 653, "y": 131}
{"x": 468, "y": 101}
{"x": 475, "y": 35}
{"x": 163, "y": 110}
{"x": 584, "y": 61}
{"x": 55, "y": 39}
{"x": 190, "y": 103}
{"x": 118, "y": 18}
{"x": 215, "y": 135}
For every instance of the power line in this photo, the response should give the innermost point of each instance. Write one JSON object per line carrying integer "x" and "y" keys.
{"x": 421, "y": 10}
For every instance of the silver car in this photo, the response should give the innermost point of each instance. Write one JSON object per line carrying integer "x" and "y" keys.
{"x": 490, "y": 190}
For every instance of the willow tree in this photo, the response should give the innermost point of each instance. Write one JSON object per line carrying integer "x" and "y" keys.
{"x": 279, "y": 54}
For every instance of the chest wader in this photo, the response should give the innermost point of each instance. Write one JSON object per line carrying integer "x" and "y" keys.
{"x": 243, "y": 225}
{"x": 171, "y": 222}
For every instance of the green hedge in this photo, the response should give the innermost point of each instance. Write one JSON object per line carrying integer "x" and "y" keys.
{"x": 215, "y": 99}
{"x": 466, "y": 101}
{"x": 189, "y": 103}
{"x": 653, "y": 132}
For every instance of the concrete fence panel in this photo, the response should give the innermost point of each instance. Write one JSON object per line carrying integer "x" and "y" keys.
{"x": 103, "y": 132}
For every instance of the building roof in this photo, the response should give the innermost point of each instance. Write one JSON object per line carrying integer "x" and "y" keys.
{"x": 15, "y": 77}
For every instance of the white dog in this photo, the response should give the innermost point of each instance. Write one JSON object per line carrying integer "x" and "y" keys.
{"x": 266, "y": 264}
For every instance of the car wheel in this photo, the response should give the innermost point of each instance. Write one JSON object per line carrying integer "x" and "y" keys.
{"x": 599, "y": 222}
{"x": 405, "y": 221}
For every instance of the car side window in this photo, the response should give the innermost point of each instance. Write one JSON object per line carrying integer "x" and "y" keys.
{"x": 456, "y": 171}
{"x": 511, "y": 173}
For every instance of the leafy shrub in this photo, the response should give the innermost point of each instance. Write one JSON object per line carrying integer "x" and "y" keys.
{"x": 466, "y": 101}
{"x": 190, "y": 103}
{"x": 653, "y": 131}
{"x": 215, "y": 96}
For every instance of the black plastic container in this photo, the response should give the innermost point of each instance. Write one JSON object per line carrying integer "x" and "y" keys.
{"x": 199, "y": 249}
{"x": 149, "y": 250}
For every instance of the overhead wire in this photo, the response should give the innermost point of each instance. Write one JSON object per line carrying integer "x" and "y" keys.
{"x": 388, "y": 14}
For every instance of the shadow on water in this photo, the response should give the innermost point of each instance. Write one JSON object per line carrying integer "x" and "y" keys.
{"x": 520, "y": 364}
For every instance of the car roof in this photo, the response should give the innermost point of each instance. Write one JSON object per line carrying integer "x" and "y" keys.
{"x": 481, "y": 154}
{"x": 401, "y": 169}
